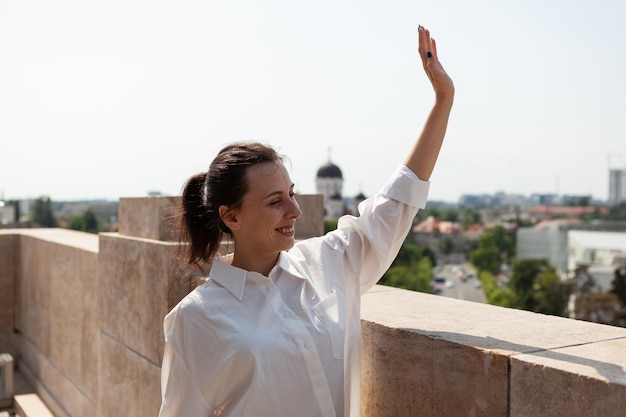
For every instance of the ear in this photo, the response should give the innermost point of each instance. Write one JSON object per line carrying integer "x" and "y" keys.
{"x": 229, "y": 217}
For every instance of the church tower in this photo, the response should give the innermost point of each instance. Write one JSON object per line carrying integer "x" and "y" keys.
{"x": 329, "y": 183}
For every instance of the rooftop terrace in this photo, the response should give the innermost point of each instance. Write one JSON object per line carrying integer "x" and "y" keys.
{"x": 82, "y": 315}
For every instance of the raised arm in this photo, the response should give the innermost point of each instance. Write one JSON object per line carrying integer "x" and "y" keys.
{"x": 423, "y": 156}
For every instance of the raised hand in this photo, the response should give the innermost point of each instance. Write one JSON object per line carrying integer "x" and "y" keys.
{"x": 440, "y": 80}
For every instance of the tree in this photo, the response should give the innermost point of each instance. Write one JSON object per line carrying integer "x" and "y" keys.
{"x": 88, "y": 222}
{"x": 42, "y": 214}
{"x": 415, "y": 276}
{"x": 486, "y": 257}
{"x": 330, "y": 225}
{"x": 538, "y": 288}
{"x": 470, "y": 217}
{"x": 618, "y": 286}
{"x": 503, "y": 241}
{"x": 597, "y": 307}
{"x": 550, "y": 295}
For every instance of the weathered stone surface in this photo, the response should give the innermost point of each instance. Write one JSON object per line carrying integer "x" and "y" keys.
{"x": 8, "y": 258}
{"x": 132, "y": 382}
{"x": 148, "y": 217}
{"x": 584, "y": 379}
{"x": 311, "y": 223}
{"x": 135, "y": 275}
{"x": 471, "y": 346}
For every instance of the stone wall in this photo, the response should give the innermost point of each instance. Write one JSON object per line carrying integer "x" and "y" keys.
{"x": 427, "y": 355}
{"x": 83, "y": 316}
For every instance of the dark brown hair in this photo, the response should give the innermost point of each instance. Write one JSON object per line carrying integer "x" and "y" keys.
{"x": 200, "y": 227}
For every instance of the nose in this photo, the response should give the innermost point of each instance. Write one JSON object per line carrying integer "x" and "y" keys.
{"x": 294, "y": 210}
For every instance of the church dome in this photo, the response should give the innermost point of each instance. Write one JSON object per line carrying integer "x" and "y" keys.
{"x": 329, "y": 170}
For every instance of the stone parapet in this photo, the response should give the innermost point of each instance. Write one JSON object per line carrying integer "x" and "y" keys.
{"x": 426, "y": 355}
{"x": 85, "y": 326}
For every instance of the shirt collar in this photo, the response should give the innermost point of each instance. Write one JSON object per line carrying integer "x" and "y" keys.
{"x": 229, "y": 277}
{"x": 290, "y": 266}
{"x": 234, "y": 279}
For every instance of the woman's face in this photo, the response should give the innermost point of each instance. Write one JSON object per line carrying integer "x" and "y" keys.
{"x": 265, "y": 222}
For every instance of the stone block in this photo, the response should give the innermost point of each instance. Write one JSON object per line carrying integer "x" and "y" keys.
{"x": 141, "y": 280}
{"x": 470, "y": 347}
{"x": 311, "y": 223}
{"x": 574, "y": 381}
{"x": 34, "y": 292}
{"x": 129, "y": 384}
{"x": 8, "y": 259}
{"x": 30, "y": 405}
{"x": 90, "y": 325}
{"x": 6, "y": 377}
{"x": 148, "y": 217}
{"x": 66, "y": 309}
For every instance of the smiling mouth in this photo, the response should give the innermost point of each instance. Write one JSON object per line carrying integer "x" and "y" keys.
{"x": 288, "y": 230}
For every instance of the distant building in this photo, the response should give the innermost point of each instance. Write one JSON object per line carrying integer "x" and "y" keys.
{"x": 617, "y": 186}
{"x": 549, "y": 240}
{"x": 329, "y": 183}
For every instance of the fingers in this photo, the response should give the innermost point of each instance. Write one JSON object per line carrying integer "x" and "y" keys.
{"x": 424, "y": 42}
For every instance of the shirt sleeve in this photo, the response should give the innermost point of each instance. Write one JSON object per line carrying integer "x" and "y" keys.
{"x": 372, "y": 240}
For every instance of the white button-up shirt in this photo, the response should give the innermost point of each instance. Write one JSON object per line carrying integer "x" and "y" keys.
{"x": 286, "y": 345}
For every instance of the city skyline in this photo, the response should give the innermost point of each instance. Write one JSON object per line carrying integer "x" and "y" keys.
{"x": 116, "y": 99}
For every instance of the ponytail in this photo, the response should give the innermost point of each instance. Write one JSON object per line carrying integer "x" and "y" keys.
{"x": 198, "y": 224}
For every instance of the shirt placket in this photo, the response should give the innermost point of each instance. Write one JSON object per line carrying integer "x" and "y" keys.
{"x": 303, "y": 340}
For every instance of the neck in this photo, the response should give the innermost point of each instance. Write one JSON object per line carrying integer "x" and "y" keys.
{"x": 255, "y": 264}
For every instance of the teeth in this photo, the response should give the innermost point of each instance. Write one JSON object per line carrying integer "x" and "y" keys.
{"x": 286, "y": 230}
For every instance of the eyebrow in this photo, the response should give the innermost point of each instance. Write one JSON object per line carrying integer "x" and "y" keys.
{"x": 278, "y": 192}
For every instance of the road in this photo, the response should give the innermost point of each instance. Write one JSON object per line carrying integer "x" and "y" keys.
{"x": 455, "y": 287}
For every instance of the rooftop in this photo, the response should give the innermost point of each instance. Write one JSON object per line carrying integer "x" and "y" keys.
{"x": 82, "y": 314}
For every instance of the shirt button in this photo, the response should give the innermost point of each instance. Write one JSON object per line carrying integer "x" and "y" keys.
{"x": 307, "y": 345}
{"x": 286, "y": 314}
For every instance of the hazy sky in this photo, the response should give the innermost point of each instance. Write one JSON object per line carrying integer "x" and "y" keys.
{"x": 116, "y": 98}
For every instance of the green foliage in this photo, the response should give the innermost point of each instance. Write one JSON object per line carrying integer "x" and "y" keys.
{"x": 486, "y": 257}
{"x": 42, "y": 214}
{"x": 470, "y": 217}
{"x": 414, "y": 276}
{"x": 616, "y": 212}
{"x": 495, "y": 246}
{"x": 550, "y": 295}
{"x": 330, "y": 225}
{"x": 618, "y": 286}
{"x": 538, "y": 288}
{"x": 88, "y": 222}
{"x": 412, "y": 268}
{"x": 598, "y": 307}
{"x": 495, "y": 294}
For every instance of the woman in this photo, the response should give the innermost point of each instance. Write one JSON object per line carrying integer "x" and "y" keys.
{"x": 275, "y": 331}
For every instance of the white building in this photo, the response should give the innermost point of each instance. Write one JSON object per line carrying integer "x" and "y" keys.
{"x": 601, "y": 252}
{"x": 329, "y": 183}
{"x": 545, "y": 241}
{"x": 594, "y": 248}
{"x": 617, "y": 186}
